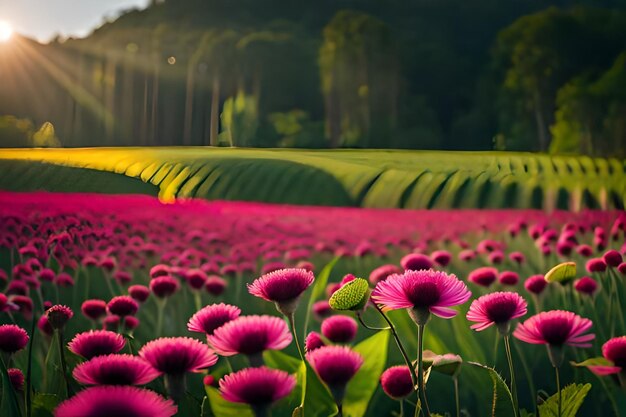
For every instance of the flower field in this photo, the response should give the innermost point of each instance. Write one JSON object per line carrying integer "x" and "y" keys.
{"x": 124, "y": 306}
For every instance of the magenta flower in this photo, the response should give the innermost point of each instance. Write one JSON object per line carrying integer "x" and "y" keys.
{"x": 612, "y": 258}
{"x": 178, "y": 355}
{"x": 115, "y": 370}
{"x": 313, "y": 341}
{"x": 416, "y": 262}
{"x": 614, "y": 351}
{"x": 258, "y": 387}
{"x": 123, "y": 305}
{"x": 497, "y": 308}
{"x": 94, "y": 309}
{"x": 96, "y": 342}
{"x": 423, "y": 292}
{"x": 116, "y": 401}
{"x": 441, "y": 257}
{"x": 508, "y": 278}
{"x": 595, "y": 265}
{"x": 335, "y": 365}
{"x": 212, "y": 317}
{"x": 59, "y": 315}
{"x": 584, "y": 250}
{"x": 44, "y": 325}
{"x": 383, "y": 272}
{"x": 284, "y": 287}
{"x": 339, "y": 329}
{"x": 159, "y": 271}
{"x": 196, "y": 278}
{"x": 586, "y": 285}
{"x": 517, "y": 257}
{"x": 250, "y": 335}
{"x": 397, "y": 382}
{"x": 555, "y": 329}
{"x": 321, "y": 310}
{"x": 215, "y": 285}
{"x": 535, "y": 284}
{"x": 16, "y": 376}
{"x": 139, "y": 293}
{"x": 164, "y": 286}
{"x": 12, "y": 338}
{"x": 484, "y": 276}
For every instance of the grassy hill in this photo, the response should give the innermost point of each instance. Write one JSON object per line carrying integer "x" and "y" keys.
{"x": 367, "y": 178}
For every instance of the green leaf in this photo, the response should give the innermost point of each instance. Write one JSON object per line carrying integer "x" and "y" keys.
{"x": 9, "y": 405}
{"x": 352, "y": 296}
{"x": 562, "y": 272}
{"x": 54, "y": 382}
{"x": 501, "y": 399}
{"x": 318, "y": 290}
{"x": 572, "y": 397}
{"x": 44, "y": 404}
{"x": 362, "y": 387}
{"x": 597, "y": 361}
{"x": 223, "y": 408}
{"x": 318, "y": 401}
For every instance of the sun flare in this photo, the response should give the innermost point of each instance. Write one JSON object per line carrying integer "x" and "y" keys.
{"x": 6, "y": 31}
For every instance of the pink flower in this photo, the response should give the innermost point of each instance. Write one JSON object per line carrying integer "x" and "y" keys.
{"x": 258, "y": 387}
{"x": 116, "y": 401}
{"x": 178, "y": 355}
{"x": 584, "y": 250}
{"x": 382, "y": 272}
{"x": 614, "y": 351}
{"x": 250, "y": 335}
{"x": 335, "y": 365}
{"x": 595, "y": 265}
{"x": 159, "y": 271}
{"x": 123, "y": 305}
{"x": 94, "y": 309}
{"x": 484, "y": 276}
{"x": 517, "y": 257}
{"x": 215, "y": 285}
{"x": 196, "y": 278}
{"x": 586, "y": 285}
{"x": 313, "y": 341}
{"x": 140, "y": 293}
{"x": 555, "y": 328}
{"x": 164, "y": 286}
{"x": 12, "y": 338}
{"x": 44, "y": 325}
{"x": 397, "y": 382}
{"x": 535, "y": 284}
{"x": 497, "y": 308}
{"x": 115, "y": 370}
{"x": 422, "y": 291}
{"x": 59, "y": 315}
{"x": 16, "y": 376}
{"x": 321, "y": 310}
{"x": 508, "y": 278}
{"x": 612, "y": 258}
{"x": 96, "y": 342}
{"x": 284, "y": 287}
{"x": 212, "y": 317}
{"x": 416, "y": 262}
{"x": 339, "y": 329}
{"x": 441, "y": 257}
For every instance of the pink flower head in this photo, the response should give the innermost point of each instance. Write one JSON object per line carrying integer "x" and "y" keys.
{"x": 397, "y": 382}
{"x": 305, "y": 265}
{"x": 382, "y": 272}
{"x": 212, "y": 317}
{"x": 123, "y": 305}
{"x": 555, "y": 328}
{"x": 94, "y": 309}
{"x": 250, "y": 335}
{"x": 497, "y": 308}
{"x": 416, "y": 262}
{"x": 258, "y": 387}
{"x": 612, "y": 258}
{"x": 64, "y": 280}
{"x": 12, "y": 338}
{"x": 423, "y": 292}
{"x": 517, "y": 257}
{"x": 46, "y": 274}
{"x": 467, "y": 255}
{"x": 178, "y": 355}
{"x": 321, "y": 310}
{"x": 535, "y": 284}
{"x": 115, "y": 370}
{"x": 123, "y": 277}
{"x": 335, "y": 365}
{"x": 508, "y": 278}
{"x": 496, "y": 257}
{"x": 313, "y": 341}
{"x": 164, "y": 286}
{"x": 44, "y": 325}
{"x": 586, "y": 285}
{"x": 595, "y": 265}
{"x": 111, "y": 322}
{"x": 441, "y": 257}
{"x": 484, "y": 276}
{"x": 107, "y": 400}
{"x": 159, "y": 271}
{"x": 584, "y": 250}
{"x": 272, "y": 266}
{"x": 16, "y": 376}
{"x": 131, "y": 322}
{"x": 139, "y": 293}
{"x": 96, "y": 342}
{"x": 215, "y": 285}
{"x": 614, "y": 350}
{"x": 196, "y": 278}
{"x": 339, "y": 329}
{"x": 59, "y": 315}
{"x": 621, "y": 268}
{"x": 284, "y": 286}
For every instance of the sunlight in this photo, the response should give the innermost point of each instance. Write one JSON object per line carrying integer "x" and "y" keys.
{"x": 6, "y": 31}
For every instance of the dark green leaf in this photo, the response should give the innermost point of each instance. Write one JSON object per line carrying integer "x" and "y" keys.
{"x": 223, "y": 408}
{"x": 44, "y": 404}
{"x": 572, "y": 397}
{"x": 54, "y": 382}
{"x": 9, "y": 405}
{"x": 318, "y": 290}
{"x": 501, "y": 399}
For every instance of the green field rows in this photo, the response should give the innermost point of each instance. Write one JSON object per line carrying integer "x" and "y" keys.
{"x": 368, "y": 178}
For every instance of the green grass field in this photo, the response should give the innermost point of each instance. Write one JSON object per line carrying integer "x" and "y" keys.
{"x": 367, "y": 178}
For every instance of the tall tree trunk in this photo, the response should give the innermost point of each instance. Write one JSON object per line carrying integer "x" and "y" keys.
{"x": 215, "y": 110}
{"x": 188, "y": 125}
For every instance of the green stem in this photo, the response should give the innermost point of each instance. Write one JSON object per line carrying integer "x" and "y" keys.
{"x": 292, "y": 323}
{"x": 29, "y": 410}
{"x": 401, "y": 407}
{"x": 360, "y": 318}
{"x": 509, "y": 357}
{"x": 558, "y": 389}
{"x": 160, "y": 309}
{"x": 63, "y": 363}
{"x": 455, "y": 379}
{"x": 420, "y": 368}
{"x": 529, "y": 377}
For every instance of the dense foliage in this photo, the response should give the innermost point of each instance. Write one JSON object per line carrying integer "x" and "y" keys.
{"x": 359, "y": 73}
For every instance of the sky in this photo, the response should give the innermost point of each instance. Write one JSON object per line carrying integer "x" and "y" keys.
{"x": 44, "y": 19}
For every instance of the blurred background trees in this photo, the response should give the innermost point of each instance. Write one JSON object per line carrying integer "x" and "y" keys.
{"x": 533, "y": 75}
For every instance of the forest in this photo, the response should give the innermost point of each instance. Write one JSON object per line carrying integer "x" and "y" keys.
{"x": 452, "y": 75}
